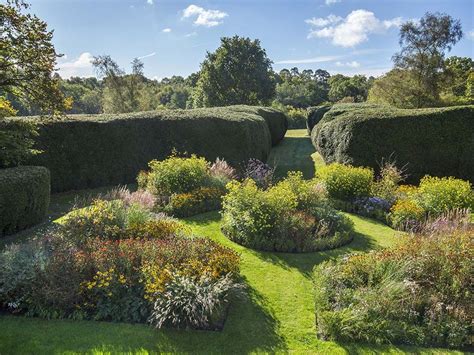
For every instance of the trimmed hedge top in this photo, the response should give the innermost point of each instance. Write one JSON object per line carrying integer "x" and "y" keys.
{"x": 435, "y": 141}
{"x": 85, "y": 151}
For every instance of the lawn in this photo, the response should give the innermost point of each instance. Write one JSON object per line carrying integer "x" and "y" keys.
{"x": 276, "y": 313}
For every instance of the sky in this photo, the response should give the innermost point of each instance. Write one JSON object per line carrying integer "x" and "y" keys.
{"x": 172, "y": 36}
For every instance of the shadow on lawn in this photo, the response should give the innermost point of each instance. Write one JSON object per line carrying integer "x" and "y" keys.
{"x": 305, "y": 262}
{"x": 292, "y": 154}
{"x": 250, "y": 327}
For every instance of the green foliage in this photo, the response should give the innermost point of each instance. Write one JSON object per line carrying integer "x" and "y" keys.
{"x": 436, "y": 142}
{"x": 439, "y": 195}
{"x": 200, "y": 200}
{"x": 91, "y": 151}
{"x": 341, "y": 86}
{"x": 292, "y": 216}
{"x": 187, "y": 302}
{"x": 314, "y": 115}
{"x": 424, "y": 43}
{"x": 238, "y": 72}
{"x": 28, "y": 59}
{"x": 176, "y": 175}
{"x": 24, "y": 197}
{"x": 16, "y": 142}
{"x": 416, "y": 293}
{"x": 345, "y": 182}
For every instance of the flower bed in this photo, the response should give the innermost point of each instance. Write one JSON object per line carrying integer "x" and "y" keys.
{"x": 417, "y": 293}
{"x": 291, "y": 216}
{"x": 118, "y": 261}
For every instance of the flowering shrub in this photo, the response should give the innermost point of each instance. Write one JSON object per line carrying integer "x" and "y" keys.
{"x": 438, "y": 195}
{"x": 373, "y": 207}
{"x": 293, "y": 216}
{"x": 417, "y": 293}
{"x": 406, "y": 215}
{"x": 259, "y": 172}
{"x": 186, "y": 186}
{"x": 345, "y": 182}
{"x": 201, "y": 200}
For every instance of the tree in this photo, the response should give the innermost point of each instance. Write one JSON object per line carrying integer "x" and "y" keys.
{"x": 28, "y": 59}
{"x": 238, "y": 72}
{"x": 121, "y": 91}
{"x": 341, "y": 87}
{"x": 397, "y": 88}
{"x": 423, "y": 46}
{"x": 457, "y": 72}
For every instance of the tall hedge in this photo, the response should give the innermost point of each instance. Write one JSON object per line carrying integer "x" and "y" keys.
{"x": 84, "y": 151}
{"x": 276, "y": 120}
{"x": 24, "y": 197}
{"x": 314, "y": 115}
{"x": 437, "y": 141}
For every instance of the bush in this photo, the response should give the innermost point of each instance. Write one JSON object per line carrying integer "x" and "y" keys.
{"x": 176, "y": 175}
{"x": 186, "y": 186}
{"x": 438, "y": 195}
{"x": 261, "y": 173}
{"x": 314, "y": 115}
{"x": 84, "y": 151}
{"x": 203, "y": 199}
{"x": 24, "y": 197}
{"x": 292, "y": 216}
{"x": 436, "y": 142}
{"x": 406, "y": 214}
{"x": 16, "y": 142}
{"x": 345, "y": 182}
{"x": 416, "y": 294}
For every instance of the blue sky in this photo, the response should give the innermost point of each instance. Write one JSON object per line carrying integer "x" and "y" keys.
{"x": 172, "y": 36}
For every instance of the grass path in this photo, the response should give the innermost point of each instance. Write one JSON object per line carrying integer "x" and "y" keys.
{"x": 276, "y": 314}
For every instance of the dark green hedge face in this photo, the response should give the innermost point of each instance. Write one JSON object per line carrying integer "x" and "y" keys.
{"x": 24, "y": 197}
{"x": 435, "y": 141}
{"x": 85, "y": 151}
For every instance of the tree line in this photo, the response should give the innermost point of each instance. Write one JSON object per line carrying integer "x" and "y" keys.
{"x": 238, "y": 72}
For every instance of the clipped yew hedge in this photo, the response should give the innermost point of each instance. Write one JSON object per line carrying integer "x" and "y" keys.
{"x": 314, "y": 115}
{"x": 435, "y": 141}
{"x": 24, "y": 197}
{"x": 85, "y": 151}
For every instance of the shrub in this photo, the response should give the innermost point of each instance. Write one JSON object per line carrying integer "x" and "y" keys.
{"x": 203, "y": 199}
{"x": 435, "y": 141}
{"x": 186, "y": 186}
{"x": 85, "y": 151}
{"x": 314, "y": 115}
{"x": 176, "y": 175}
{"x": 187, "y": 302}
{"x": 406, "y": 214}
{"x": 345, "y": 182}
{"x": 261, "y": 173}
{"x": 24, "y": 197}
{"x": 416, "y": 293}
{"x": 292, "y": 216}
{"x": 296, "y": 117}
{"x": 438, "y": 195}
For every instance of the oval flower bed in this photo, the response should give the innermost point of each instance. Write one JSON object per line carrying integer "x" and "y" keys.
{"x": 292, "y": 216}
{"x": 117, "y": 261}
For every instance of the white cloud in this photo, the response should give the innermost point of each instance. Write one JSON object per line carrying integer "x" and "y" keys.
{"x": 147, "y": 55}
{"x": 352, "y": 30}
{"x": 352, "y": 64}
{"x": 82, "y": 66}
{"x": 330, "y": 2}
{"x": 192, "y": 34}
{"x": 166, "y": 30}
{"x": 203, "y": 17}
{"x": 321, "y": 59}
{"x": 470, "y": 35}
{"x": 149, "y": 2}
{"x": 324, "y": 21}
